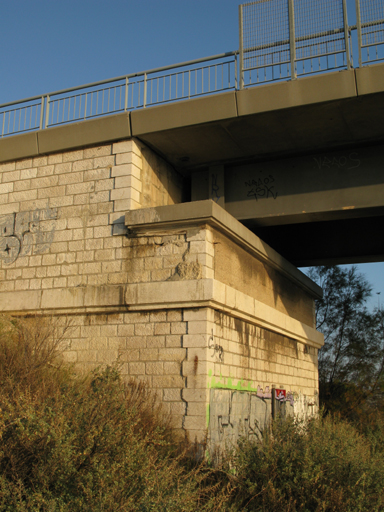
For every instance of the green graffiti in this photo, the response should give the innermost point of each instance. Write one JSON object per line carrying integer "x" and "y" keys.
{"x": 207, "y": 415}
{"x": 223, "y": 383}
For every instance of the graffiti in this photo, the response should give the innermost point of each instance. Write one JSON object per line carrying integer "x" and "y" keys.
{"x": 217, "y": 350}
{"x": 263, "y": 394}
{"x": 20, "y": 232}
{"x": 280, "y": 395}
{"x": 261, "y": 188}
{"x": 348, "y": 162}
{"x": 240, "y": 385}
{"x": 215, "y": 189}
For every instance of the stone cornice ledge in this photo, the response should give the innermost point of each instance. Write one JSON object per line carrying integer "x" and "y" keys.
{"x": 197, "y": 212}
{"x": 212, "y": 293}
{"x": 159, "y": 295}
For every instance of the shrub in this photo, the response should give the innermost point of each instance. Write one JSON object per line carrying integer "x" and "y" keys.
{"x": 324, "y": 465}
{"x": 92, "y": 443}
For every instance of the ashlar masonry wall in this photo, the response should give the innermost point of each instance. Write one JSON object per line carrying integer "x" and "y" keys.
{"x": 181, "y": 294}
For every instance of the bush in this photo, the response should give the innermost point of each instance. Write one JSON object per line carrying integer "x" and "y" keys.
{"x": 324, "y": 465}
{"x": 96, "y": 443}
{"x": 77, "y": 444}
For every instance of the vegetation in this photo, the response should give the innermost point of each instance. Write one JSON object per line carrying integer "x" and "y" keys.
{"x": 84, "y": 444}
{"x": 95, "y": 443}
{"x": 351, "y": 363}
{"x": 324, "y": 465}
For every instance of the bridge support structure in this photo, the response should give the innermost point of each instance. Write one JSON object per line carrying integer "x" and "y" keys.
{"x": 182, "y": 295}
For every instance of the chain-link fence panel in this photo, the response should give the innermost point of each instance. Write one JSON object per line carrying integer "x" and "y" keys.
{"x": 319, "y": 34}
{"x": 370, "y": 26}
{"x": 286, "y": 38}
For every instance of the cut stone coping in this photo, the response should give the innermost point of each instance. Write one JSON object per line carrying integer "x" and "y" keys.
{"x": 208, "y": 212}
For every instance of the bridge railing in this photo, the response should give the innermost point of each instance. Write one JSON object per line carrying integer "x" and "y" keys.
{"x": 370, "y": 30}
{"x": 279, "y": 40}
{"x": 138, "y": 90}
{"x": 284, "y": 39}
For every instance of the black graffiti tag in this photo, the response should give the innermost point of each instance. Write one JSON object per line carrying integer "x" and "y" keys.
{"x": 262, "y": 188}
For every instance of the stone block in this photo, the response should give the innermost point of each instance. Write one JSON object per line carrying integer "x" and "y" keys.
{"x": 167, "y": 381}
{"x": 171, "y": 395}
{"x": 129, "y": 158}
{"x": 154, "y": 368}
{"x": 195, "y": 423}
{"x": 172, "y": 354}
{"x": 97, "y": 151}
{"x": 174, "y": 341}
{"x": 126, "y": 170}
{"x": 162, "y": 328}
{"x": 136, "y": 368}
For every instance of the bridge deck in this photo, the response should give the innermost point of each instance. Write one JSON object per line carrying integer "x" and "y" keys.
{"x": 275, "y": 123}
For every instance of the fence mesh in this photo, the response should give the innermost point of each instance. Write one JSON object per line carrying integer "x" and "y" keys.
{"x": 265, "y": 34}
{"x": 372, "y": 22}
{"x": 319, "y": 37}
{"x": 319, "y": 28}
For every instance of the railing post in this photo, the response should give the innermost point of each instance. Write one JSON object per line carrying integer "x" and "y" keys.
{"x": 126, "y": 93}
{"x": 241, "y": 49}
{"x": 47, "y": 112}
{"x": 236, "y": 71}
{"x": 346, "y": 34}
{"x": 292, "y": 42}
{"x": 145, "y": 90}
{"x": 42, "y": 113}
{"x": 358, "y": 26}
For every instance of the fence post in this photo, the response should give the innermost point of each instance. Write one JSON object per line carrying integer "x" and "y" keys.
{"x": 358, "y": 26}
{"x": 145, "y": 90}
{"x": 41, "y": 113}
{"x": 126, "y": 93}
{"x": 241, "y": 63}
{"x": 292, "y": 42}
{"x": 47, "y": 112}
{"x": 346, "y": 34}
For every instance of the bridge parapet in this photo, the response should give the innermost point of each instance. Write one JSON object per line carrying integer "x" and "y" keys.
{"x": 320, "y": 42}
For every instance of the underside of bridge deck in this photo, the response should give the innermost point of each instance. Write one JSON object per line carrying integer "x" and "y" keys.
{"x": 299, "y": 162}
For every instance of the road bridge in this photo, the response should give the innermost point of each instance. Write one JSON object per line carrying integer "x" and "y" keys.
{"x": 298, "y": 162}
{"x": 166, "y": 221}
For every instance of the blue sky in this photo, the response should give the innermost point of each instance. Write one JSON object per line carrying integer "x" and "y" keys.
{"x": 51, "y": 45}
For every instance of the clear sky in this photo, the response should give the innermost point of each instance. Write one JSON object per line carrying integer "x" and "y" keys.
{"x": 51, "y": 45}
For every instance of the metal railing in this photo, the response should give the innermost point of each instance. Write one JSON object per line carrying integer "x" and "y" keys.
{"x": 129, "y": 92}
{"x": 279, "y": 40}
{"x": 284, "y": 39}
{"x": 370, "y": 30}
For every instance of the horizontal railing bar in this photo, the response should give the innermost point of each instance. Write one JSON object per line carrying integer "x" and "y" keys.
{"x": 372, "y": 23}
{"x": 123, "y": 77}
{"x": 297, "y": 40}
{"x": 186, "y": 71}
{"x": 369, "y": 45}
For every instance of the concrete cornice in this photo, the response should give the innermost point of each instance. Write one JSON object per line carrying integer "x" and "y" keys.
{"x": 196, "y": 293}
{"x": 150, "y": 220}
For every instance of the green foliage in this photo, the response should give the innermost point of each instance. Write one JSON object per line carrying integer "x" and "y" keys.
{"x": 324, "y": 465}
{"x": 351, "y": 363}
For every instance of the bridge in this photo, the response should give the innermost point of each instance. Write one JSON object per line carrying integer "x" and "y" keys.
{"x": 299, "y": 162}
{"x": 165, "y": 213}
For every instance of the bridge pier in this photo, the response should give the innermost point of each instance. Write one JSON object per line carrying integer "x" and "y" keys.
{"x": 181, "y": 294}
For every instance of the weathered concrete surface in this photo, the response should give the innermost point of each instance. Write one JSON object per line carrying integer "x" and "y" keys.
{"x": 148, "y": 290}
